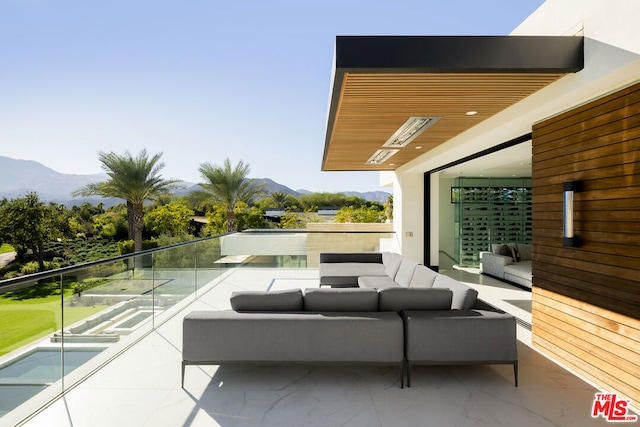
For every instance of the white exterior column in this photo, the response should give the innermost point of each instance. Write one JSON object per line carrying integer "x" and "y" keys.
{"x": 408, "y": 214}
{"x": 434, "y": 225}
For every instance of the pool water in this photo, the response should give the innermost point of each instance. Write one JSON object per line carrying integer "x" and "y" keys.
{"x": 32, "y": 373}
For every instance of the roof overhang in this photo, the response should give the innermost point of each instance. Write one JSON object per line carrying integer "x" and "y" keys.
{"x": 379, "y": 82}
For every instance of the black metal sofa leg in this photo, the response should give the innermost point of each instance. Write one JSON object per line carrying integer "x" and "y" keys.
{"x": 182, "y": 378}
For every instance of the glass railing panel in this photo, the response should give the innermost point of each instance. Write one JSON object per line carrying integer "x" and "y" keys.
{"x": 266, "y": 249}
{"x": 29, "y": 314}
{"x": 174, "y": 278}
{"x": 106, "y": 297}
{"x": 86, "y": 314}
{"x": 299, "y": 248}
{"x": 208, "y": 262}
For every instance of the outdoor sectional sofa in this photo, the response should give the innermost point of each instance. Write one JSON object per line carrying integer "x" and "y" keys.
{"x": 438, "y": 323}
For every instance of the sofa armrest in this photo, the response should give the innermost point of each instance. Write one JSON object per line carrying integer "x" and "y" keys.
{"x": 460, "y": 336}
{"x": 493, "y": 264}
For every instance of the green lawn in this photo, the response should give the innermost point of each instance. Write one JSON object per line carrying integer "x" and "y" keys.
{"x": 26, "y": 316}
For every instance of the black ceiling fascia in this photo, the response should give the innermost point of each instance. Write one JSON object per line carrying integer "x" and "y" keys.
{"x": 460, "y": 54}
{"x": 450, "y": 54}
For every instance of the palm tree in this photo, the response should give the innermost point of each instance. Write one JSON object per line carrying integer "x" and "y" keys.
{"x": 229, "y": 186}
{"x": 135, "y": 179}
{"x": 279, "y": 199}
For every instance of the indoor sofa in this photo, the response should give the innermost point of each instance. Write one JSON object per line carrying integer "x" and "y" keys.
{"x": 510, "y": 262}
{"x": 401, "y": 326}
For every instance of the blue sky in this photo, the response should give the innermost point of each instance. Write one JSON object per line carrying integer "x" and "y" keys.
{"x": 199, "y": 80}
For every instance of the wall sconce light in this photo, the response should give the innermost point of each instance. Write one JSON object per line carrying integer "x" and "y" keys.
{"x": 569, "y": 238}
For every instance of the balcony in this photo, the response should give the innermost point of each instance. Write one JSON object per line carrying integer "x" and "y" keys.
{"x": 114, "y": 356}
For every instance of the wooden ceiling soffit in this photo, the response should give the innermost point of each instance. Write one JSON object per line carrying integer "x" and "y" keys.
{"x": 380, "y": 82}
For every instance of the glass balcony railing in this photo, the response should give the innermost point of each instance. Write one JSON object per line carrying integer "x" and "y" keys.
{"x": 59, "y": 326}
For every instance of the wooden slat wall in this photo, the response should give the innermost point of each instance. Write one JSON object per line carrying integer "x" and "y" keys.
{"x": 586, "y": 301}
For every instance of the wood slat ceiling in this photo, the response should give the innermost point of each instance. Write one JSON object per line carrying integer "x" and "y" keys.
{"x": 372, "y": 106}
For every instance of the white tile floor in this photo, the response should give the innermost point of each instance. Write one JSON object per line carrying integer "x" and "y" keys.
{"x": 142, "y": 386}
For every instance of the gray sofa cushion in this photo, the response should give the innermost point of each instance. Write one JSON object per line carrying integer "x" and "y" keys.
{"x": 347, "y": 273}
{"x": 399, "y": 299}
{"x": 377, "y": 282}
{"x": 391, "y": 261}
{"x": 405, "y": 272}
{"x": 423, "y": 277}
{"x": 229, "y": 336}
{"x": 288, "y": 300}
{"x": 525, "y": 251}
{"x": 464, "y": 297}
{"x": 347, "y": 299}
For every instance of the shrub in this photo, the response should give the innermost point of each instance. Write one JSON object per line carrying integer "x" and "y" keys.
{"x": 30, "y": 268}
{"x": 5, "y": 247}
{"x": 33, "y": 267}
{"x": 128, "y": 246}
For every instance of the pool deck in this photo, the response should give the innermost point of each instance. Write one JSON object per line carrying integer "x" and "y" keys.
{"x": 141, "y": 387}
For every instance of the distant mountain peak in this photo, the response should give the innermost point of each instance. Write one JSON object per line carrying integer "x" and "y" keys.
{"x": 23, "y": 176}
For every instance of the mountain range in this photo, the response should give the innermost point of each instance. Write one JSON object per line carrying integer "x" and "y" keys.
{"x": 19, "y": 177}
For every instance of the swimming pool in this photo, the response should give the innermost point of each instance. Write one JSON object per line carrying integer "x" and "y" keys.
{"x": 29, "y": 374}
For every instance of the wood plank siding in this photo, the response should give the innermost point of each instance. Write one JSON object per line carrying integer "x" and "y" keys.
{"x": 586, "y": 300}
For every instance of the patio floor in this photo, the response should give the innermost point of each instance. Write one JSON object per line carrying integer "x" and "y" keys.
{"x": 141, "y": 387}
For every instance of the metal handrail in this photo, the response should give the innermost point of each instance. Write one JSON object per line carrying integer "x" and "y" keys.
{"x": 69, "y": 269}
{"x": 35, "y": 277}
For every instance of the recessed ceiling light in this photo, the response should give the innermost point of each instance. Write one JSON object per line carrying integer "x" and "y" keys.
{"x": 471, "y": 113}
{"x": 410, "y": 130}
{"x": 419, "y": 147}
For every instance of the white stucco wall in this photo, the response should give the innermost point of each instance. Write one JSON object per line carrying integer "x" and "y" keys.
{"x": 613, "y": 22}
{"x": 408, "y": 217}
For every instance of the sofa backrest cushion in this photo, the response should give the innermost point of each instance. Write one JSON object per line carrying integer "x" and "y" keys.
{"x": 399, "y": 299}
{"x": 405, "y": 272}
{"x": 340, "y": 299}
{"x": 525, "y": 251}
{"x": 464, "y": 297}
{"x": 423, "y": 277}
{"x": 351, "y": 257}
{"x": 391, "y": 261}
{"x": 516, "y": 251}
{"x": 288, "y": 300}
